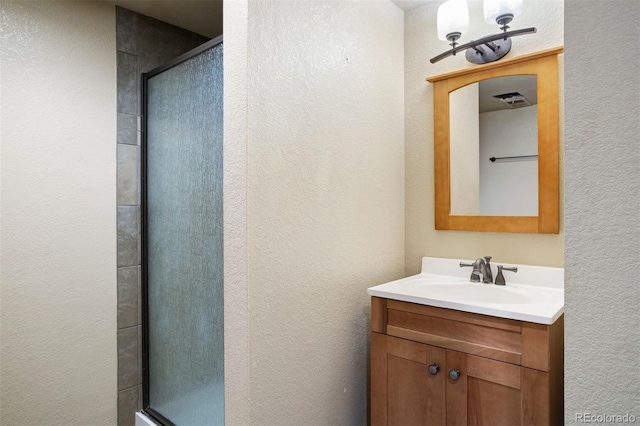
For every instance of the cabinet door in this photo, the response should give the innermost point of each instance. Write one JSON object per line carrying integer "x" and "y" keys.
{"x": 494, "y": 393}
{"x": 403, "y": 391}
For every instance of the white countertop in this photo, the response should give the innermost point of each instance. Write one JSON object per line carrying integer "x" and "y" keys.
{"x": 533, "y": 294}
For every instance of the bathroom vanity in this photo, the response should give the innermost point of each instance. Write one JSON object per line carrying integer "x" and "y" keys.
{"x": 459, "y": 358}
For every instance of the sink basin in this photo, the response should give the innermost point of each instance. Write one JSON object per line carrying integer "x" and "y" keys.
{"x": 472, "y": 292}
{"x": 535, "y": 294}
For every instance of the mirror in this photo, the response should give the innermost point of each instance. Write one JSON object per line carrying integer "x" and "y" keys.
{"x": 506, "y": 112}
{"x": 493, "y": 157}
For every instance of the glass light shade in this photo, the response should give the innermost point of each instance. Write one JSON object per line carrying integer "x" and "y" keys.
{"x": 453, "y": 17}
{"x": 495, "y": 8}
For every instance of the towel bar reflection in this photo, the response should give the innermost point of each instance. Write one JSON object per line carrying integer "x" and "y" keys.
{"x": 494, "y": 159}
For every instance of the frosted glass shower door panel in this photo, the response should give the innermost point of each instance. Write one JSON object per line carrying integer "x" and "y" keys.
{"x": 183, "y": 217}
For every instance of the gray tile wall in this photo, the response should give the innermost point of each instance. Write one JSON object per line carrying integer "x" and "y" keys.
{"x": 143, "y": 43}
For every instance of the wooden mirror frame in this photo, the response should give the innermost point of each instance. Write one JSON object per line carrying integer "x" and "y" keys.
{"x": 544, "y": 64}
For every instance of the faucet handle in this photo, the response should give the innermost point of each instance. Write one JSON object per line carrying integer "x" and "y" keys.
{"x": 475, "y": 274}
{"x": 500, "y": 278}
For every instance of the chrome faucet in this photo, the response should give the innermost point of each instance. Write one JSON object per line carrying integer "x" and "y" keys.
{"x": 480, "y": 267}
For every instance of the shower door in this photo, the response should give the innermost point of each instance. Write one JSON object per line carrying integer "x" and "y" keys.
{"x": 182, "y": 239}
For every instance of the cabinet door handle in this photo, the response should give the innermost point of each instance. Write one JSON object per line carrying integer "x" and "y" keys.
{"x": 433, "y": 369}
{"x": 454, "y": 374}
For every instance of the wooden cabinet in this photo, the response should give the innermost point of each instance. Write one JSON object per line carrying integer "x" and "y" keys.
{"x": 508, "y": 372}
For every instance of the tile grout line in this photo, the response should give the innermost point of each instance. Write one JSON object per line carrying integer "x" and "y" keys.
{"x": 131, "y": 326}
{"x": 130, "y": 388}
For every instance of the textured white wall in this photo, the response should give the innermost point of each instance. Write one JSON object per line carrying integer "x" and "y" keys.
{"x": 236, "y": 330}
{"x": 58, "y": 251}
{"x": 421, "y": 44}
{"x": 325, "y": 200}
{"x": 602, "y": 181}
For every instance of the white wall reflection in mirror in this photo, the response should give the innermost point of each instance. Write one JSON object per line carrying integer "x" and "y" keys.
{"x": 494, "y": 118}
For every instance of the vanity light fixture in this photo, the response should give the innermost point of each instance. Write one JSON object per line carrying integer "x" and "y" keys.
{"x": 453, "y": 21}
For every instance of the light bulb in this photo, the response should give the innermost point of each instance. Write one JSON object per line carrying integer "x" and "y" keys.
{"x": 453, "y": 17}
{"x": 494, "y": 10}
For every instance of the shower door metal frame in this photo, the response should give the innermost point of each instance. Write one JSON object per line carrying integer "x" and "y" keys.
{"x": 144, "y": 221}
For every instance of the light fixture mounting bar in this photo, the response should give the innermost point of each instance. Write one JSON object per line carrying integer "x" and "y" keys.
{"x": 484, "y": 40}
